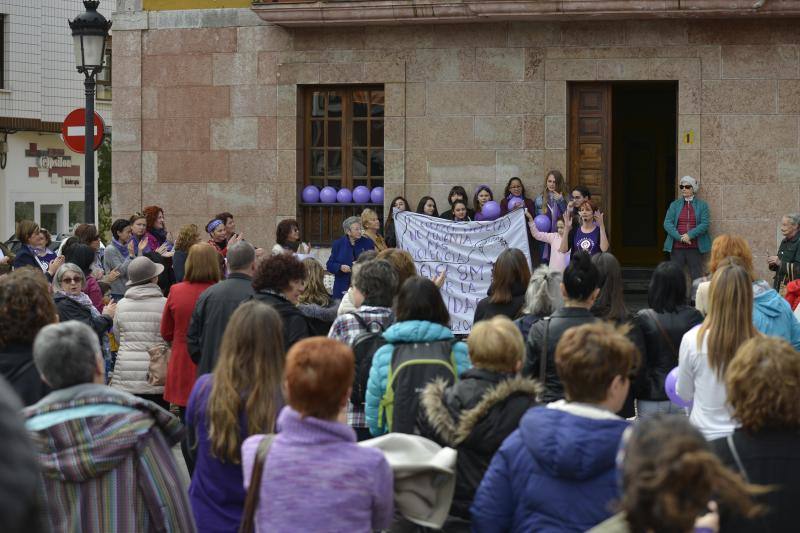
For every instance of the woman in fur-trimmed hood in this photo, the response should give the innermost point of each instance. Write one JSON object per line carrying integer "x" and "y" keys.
{"x": 478, "y": 412}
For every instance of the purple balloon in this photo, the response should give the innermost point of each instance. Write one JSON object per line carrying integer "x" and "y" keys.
{"x": 514, "y": 202}
{"x": 344, "y": 196}
{"x": 328, "y": 195}
{"x": 542, "y": 223}
{"x": 311, "y": 194}
{"x": 361, "y": 195}
{"x": 490, "y": 210}
{"x": 479, "y": 217}
{"x": 669, "y": 388}
{"x": 376, "y": 195}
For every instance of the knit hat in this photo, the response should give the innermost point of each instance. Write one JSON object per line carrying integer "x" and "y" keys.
{"x": 141, "y": 270}
{"x": 424, "y": 476}
{"x": 690, "y": 181}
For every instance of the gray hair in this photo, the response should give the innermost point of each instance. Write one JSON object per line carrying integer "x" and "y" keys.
{"x": 349, "y": 221}
{"x": 66, "y": 354}
{"x": 241, "y": 255}
{"x": 63, "y": 269}
{"x": 794, "y": 218}
{"x": 377, "y": 281}
{"x": 543, "y": 296}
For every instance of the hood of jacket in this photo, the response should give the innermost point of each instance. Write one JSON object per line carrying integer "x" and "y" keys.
{"x": 767, "y": 300}
{"x": 417, "y": 331}
{"x": 143, "y": 292}
{"x": 445, "y": 405}
{"x": 571, "y": 440}
{"x": 83, "y": 432}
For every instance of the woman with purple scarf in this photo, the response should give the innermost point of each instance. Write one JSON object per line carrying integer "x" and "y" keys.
{"x": 555, "y": 206}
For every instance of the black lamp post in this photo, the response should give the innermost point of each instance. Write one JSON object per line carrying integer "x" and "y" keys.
{"x": 89, "y": 34}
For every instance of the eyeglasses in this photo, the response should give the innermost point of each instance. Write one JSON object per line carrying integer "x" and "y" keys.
{"x": 71, "y": 280}
{"x": 684, "y": 186}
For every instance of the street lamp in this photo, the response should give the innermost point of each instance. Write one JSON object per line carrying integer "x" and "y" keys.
{"x": 89, "y": 34}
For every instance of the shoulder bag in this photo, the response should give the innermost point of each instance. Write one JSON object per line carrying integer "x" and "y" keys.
{"x": 157, "y": 367}
{"x": 251, "y": 500}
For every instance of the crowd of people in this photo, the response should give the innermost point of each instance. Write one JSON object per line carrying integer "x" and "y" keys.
{"x": 293, "y": 407}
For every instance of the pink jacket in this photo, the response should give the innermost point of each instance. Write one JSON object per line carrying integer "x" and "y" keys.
{"x": 558, "y": 260}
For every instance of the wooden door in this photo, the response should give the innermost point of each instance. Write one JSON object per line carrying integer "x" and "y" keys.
{"x": 590, "y": 141}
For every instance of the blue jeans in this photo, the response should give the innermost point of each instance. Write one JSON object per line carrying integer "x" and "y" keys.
{"x": 646, "y": 409}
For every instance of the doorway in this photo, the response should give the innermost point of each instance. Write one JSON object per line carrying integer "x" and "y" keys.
{"x": 623, "y": 147}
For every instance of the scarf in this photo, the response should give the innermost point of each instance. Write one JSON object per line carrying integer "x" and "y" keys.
{"x": 159, "y": 234}
{"x": 82, "y": 299}
{"x": 121, "y": 247}
{"x": 292, "y": 245}
{"x": 136, "y": 241}
{"x": 42, "y": 263}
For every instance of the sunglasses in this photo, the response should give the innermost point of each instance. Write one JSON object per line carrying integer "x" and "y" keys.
{"x": 71, "y": 280}
{"x": 684, "y": 186}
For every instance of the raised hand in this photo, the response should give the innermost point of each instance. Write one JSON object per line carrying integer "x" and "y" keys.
{"x": 598, "y": 217}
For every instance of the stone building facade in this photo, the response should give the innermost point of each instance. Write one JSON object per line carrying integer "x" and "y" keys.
{"x": 207, "y": 116}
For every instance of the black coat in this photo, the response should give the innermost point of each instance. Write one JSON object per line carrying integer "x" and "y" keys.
{"x": 295, "y": 326}
{"x": 16, "y": 365}
{"x": 69, "y": 309}
{"x": 789, "y": 256}
{"x": 512, "y": 309}
{"x": 659, "y": 356}
{"x": 770, "y": 457}
{"x": 210, "y": 317}
{"x": 474, "y": 416}
{"x": 560, "y": 321}
{"x": 25, "y": 257}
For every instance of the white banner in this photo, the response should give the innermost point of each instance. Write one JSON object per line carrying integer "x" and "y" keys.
{"x": 465, "y": 250}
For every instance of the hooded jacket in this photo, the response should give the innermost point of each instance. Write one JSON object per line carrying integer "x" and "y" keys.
{"x": 106, "y": 462}
{"x": 557, "y": 472}
{"x": 474, "y": 417}
{"x": 138, "y": 326}
{"x": 773, "y": 316}
{"x": 404, "y": 332}
{"x": 295, "y": 325}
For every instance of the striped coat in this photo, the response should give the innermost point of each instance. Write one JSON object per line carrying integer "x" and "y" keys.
{"x": 106, "y": 463}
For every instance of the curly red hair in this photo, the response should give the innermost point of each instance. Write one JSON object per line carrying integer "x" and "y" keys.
{"x": 151, "y": 214}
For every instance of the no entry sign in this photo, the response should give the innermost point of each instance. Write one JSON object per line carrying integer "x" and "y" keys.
{"x": 74, "y": 130}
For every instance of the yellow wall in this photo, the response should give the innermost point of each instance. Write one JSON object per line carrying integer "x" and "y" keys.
{"x": 167, "y": 5}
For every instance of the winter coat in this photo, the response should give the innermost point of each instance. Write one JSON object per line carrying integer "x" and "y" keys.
{"x": 658, "y": 355}
{"x": 344, "y": 253}
{"x": 788, "y": 254}
{"x": 404, "y": 332}
{"x": 137, "y": 324}
{"x": 179, "y": 264}
{"x": 210, "y": 318}
{"x": 17, "y": 366}
{"x": 771, "y": 458}
{"x": 27, "y": 257}
{"x": 107, "y": 463}
{"x": 474, "y": 416}
{"x": 699, "y": 232}
{"x": 113, "y": 258}
{"x": 560, "y": 321}
{"x": 181, "y": 371}
{"x": 69, "y": 309}
{"x": 773, "y": 316}
{"x": 94, "y": 292}
{"x": 319, "y": 318}
{"x": 295, "y": 326}
{"x": 513, "y": 309}
{"x": 556, "y": 473}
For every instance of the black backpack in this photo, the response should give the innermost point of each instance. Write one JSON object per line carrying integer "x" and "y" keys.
{"x": 364, "y": 347}
{"x": 414, "y": 365}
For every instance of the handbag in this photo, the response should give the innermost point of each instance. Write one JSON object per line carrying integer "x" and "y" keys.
{"x": 251, "y": 500}
{"x": 157, "y": 367}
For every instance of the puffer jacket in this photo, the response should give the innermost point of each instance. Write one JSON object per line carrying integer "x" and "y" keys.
{"x": 137, "y": 324}
{"x": 556, "y": 473}
{"x": 772, "y": 314}
{"x": 658, "y": 356}
{"x": 404, "y": 332}
{"x": 474, "y": 417}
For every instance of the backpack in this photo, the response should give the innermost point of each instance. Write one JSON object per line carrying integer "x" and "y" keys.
{"x": 364, "y": 347}
{"x": 414, "y": 365}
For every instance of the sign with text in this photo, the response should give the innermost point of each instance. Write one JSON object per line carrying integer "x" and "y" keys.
{"x": 466, "y": 251}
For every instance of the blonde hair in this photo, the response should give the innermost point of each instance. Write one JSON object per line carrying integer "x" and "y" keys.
{"x": 366, "y": 215}
{"x": 188, "y": 235}
{"x": 496, "y": 345}
{"x": 729, "y": 322}
{"x": 202, "y": 264}
{"x": 315, "y": 291}
{"x": 251, "y": 359}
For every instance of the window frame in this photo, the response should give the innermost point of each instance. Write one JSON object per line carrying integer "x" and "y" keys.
{"x": 2, "y": 51}
{"x": 107, "y": 69}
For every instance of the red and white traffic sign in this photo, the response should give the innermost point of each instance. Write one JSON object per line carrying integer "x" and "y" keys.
{"x": 73, "y": 130}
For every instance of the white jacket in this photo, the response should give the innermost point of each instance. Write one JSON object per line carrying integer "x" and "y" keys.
{"x": 137, "y": 325}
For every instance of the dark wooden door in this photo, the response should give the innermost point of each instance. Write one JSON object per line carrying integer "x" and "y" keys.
{"x": 590, "y": 141}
